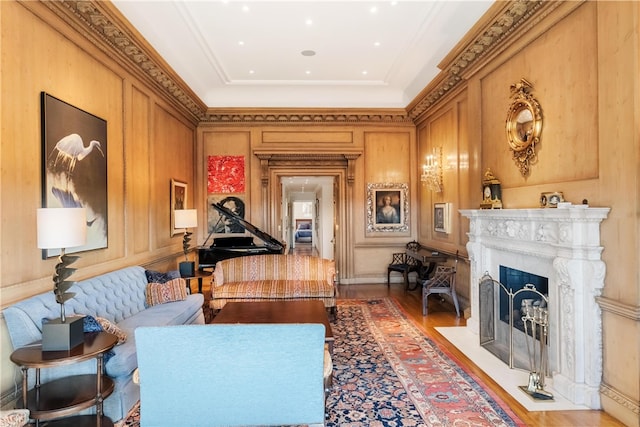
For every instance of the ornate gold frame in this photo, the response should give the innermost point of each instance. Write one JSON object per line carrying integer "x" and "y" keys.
{"x": 399, "y": 193}
{"x": 524, "y": 125}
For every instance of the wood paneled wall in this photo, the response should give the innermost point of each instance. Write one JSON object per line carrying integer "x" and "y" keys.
{"x": 386, "y": 154}
{"x": 582, "y": 60}
{"x": 149, "y": 142}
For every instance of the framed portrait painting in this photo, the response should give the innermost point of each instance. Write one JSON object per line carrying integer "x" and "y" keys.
{"x": 387, "y": 207}
{"x": 74, "y": 167}
{"x": 178, "y": 201}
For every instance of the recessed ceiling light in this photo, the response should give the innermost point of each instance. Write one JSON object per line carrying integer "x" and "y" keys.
{"x": 308, "y": 53}
{"x": 309, "y": 22}
{"x": 376, "y": 44}
{"x": 365, "y": 72}
{"x": 374, "y": 9}
{"x": 245, "y": 8}
{"x": 307, "y": 72}
{"x": 251, "y": 72}
{"x": 241, "y": 43}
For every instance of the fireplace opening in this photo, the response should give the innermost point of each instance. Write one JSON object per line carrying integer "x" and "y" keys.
{"x": 520, "y": 285}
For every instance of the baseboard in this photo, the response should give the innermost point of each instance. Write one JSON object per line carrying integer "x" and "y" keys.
{"x": 9, "y": 398}
{"x": 620, "y": 406}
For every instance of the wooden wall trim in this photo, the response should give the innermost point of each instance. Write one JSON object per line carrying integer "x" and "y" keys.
{"x": 269, "y": 159}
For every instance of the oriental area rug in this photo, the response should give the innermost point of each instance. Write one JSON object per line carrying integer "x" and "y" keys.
{"x": 387, "y": 372}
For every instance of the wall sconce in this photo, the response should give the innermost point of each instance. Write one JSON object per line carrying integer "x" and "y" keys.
{"x": 186, "y": 218}
{"x": 432, "y": 170}
{"x": 61, "y": 228}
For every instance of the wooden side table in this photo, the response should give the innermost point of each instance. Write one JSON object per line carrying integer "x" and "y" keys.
{"x": 199, "y": 275}
{"x": 66, "y": 396}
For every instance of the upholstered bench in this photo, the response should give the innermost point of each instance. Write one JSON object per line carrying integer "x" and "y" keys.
{"x": 273, "y": 277}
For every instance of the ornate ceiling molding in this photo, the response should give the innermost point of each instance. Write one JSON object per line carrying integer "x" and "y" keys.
{"x": 488, "y": 40}
{"x": 308, "y": 116}
{"x": 103, "y": 25}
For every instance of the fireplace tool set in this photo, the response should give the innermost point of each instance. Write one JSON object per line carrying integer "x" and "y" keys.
{"x": 536, "y": 326}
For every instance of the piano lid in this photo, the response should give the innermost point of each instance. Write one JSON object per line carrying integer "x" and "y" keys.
{"x": 270, "y": 241}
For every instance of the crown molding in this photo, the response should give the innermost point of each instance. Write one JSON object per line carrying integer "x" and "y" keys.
{"x": 104, "y": 26}
{"x": 501, "y": 22}
{"x": 319, "y": 116}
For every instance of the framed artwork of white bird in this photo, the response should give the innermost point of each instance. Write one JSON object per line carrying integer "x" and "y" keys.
{"x": 74, "y": 166}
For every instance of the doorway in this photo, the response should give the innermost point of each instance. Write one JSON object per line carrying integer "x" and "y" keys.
{"x": 335, "y": 208}
{"x": 307, "y": 214}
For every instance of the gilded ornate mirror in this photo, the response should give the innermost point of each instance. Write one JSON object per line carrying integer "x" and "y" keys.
{"x": 524, "y": 125}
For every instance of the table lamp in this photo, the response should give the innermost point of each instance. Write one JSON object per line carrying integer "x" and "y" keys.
{"x": 186, "y": 218}
{"x": 61, "y": 228}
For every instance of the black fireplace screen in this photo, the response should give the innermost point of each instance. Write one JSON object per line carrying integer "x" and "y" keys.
{"x": 501, "y": 305}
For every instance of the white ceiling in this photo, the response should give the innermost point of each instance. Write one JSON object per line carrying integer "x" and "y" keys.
{"x": 201, "y": 40}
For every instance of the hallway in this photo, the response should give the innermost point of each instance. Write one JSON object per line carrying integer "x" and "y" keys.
{"x": 304, "y": 249}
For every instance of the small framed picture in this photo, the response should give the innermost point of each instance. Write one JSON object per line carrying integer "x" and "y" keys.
{"x": 551, "y": 199}
{"x": 442, "y": 217}
{"x": 178, "y": 201}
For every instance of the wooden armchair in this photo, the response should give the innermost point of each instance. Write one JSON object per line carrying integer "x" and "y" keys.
{"x": 442, "y": 282}
{"x": 405, "y": 264}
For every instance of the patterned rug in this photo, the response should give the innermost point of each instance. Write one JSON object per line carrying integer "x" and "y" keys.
{"x": 387, "y": 373}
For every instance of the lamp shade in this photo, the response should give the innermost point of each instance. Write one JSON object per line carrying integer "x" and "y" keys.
{"x": 61, "y": 227}
{"x": 185, "y": 218}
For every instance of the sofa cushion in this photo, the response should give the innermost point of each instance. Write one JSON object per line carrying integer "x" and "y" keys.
{"x": 275, "y": 289}
{"x": 219, "y": 303}
{"x": 124, "y": 361}
{"x": 273, "y": 267}
{"x": 162, "y": 293}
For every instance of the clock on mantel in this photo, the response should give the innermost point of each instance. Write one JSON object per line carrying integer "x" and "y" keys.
{"x": 491, "y": 192}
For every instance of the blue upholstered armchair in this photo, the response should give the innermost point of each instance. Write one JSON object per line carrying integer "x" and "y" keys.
{"x": 231, "y": 375}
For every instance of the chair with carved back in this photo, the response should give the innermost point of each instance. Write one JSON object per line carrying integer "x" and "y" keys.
{"x": 443, "y": 281}
{"x": 404, "y": 263}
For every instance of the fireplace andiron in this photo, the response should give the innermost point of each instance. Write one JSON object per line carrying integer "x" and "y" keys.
{"x": 537, "y": 318}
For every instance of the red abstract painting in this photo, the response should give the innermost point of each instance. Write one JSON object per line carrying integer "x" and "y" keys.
{"x": 225, "y": 174}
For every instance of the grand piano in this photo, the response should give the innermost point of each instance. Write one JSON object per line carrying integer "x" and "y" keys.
{"x": 236, "y": 246}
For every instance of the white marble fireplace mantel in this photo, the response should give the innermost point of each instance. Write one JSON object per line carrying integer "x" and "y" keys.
{"x": 562, "y": 244}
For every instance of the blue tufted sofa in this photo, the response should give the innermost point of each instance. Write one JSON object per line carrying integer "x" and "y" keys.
{"x": 118, "y": 296}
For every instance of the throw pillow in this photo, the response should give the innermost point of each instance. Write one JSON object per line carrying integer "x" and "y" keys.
{"x": 90, "y": 324}
{"x": 161, "y": 293}
{"x": 158, "y": 277}
{"x": 14, "y": 417}
{"x": 111, "y": 328}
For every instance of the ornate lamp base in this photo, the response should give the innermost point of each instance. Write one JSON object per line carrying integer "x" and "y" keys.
{"x": 62, "y": 336}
